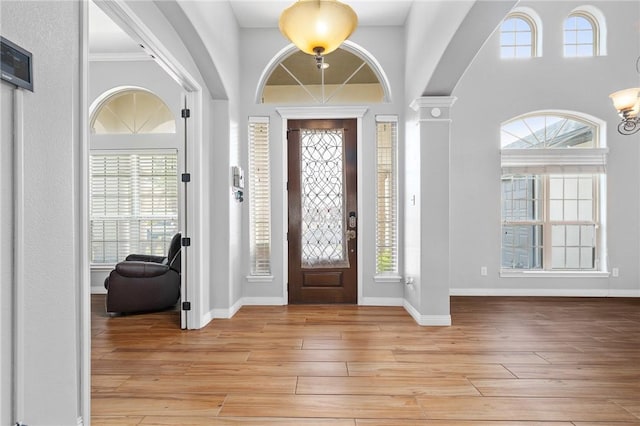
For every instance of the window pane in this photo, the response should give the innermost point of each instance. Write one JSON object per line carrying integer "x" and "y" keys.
{"x": 573, "y": 235}
{"x": 587, "y": 235}
{"x": 522, "y": 25}
{"x": 586, "y": 258}
{"x": 584, "y": 50}
{"x": 585, "y": 188}
{"x": 557, "y": 258}
{"x": 259, "y": 197}
{"x": 523, "y": 52}
{"x": 570, "y": 210}
{"x": 507, "y": 39}
{"x": 522, "y": 246}
{"x": 585, "y": 212}
{"x": 570, "y": 37}
{"x": 556, "y": 210}
{"x": 558, "y": 235}
{"x": 572, "y": 258}
{"x": 570, "y": 188}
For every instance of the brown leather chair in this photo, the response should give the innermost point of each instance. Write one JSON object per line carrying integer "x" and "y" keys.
{"x": 144, "y": 283}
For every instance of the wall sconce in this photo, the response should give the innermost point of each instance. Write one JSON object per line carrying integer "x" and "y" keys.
{"x": 627, "y": 103}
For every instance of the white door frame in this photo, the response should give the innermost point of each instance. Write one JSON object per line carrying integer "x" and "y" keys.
{"x": 122, "y": 14}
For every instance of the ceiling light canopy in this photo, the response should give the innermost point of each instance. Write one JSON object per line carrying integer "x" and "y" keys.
{"x": 318, "y": 27}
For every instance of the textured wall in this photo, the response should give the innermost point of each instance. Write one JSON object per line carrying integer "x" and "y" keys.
{"x": 49, "y": 207}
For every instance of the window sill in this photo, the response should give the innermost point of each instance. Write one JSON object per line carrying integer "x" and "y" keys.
{"x": 553, "y": 274}
{"x": 102, "y": 266}
{"x": 387, "y": 278}
{"x": 259, "y": 278}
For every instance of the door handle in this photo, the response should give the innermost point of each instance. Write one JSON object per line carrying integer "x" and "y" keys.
{"x": 351, "y": 234}
{"x": 352, "y": 220}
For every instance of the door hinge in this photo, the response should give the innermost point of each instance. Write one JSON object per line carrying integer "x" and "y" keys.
{"x": 186, "y": 177}
{"x": 186, "y": 306}
{"x": 186, "y": 242}
{"x": 287, "y": 186}
{"x": 287, "y": 236}
{"x": 186, "y": 113}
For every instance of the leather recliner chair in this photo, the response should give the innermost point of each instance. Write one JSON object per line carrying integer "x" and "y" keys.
{"x": 144, "y": 283}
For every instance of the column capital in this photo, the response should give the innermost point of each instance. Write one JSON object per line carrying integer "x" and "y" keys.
{"x": 433, "y": 107}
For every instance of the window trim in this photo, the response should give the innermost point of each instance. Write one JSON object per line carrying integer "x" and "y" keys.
{"x": 549, "y": 161}
{"x": 257, "y": 274}
{"x": 599, "y": 25}
{"x": 535, "y": 24}
{"x": 393, "y": 274}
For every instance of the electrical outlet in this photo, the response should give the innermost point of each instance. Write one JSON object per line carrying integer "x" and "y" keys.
{"x": 483, "y": 271}
{"x": 615, "y": 272}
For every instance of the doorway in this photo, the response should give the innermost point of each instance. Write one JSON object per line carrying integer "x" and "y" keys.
{"x": 322, "y": 211}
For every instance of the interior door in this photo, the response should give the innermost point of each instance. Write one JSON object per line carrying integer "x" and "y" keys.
{"x": 323, "y": 216}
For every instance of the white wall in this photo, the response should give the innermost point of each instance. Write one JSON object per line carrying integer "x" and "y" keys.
{"x": 107, "y": 75}
{"x": 258, "y": 47}
{"x": 493, "y": 91}
{"x": 6, "y": 253}
{"x": 48, "y": 204}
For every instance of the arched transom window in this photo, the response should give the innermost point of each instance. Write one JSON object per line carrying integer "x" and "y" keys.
{"x": 341, "y": 78}
{"x": 133, "y": 111}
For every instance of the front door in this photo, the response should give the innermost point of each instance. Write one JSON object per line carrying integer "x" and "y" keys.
{"x": 323, "y": 216}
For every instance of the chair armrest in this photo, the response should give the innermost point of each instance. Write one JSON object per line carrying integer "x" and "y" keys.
{"x": 146, "y": 258}
{"x": 135, "y": 269}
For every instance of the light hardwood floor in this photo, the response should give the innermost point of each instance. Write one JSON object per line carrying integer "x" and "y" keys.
{"x": 504, "y": 362}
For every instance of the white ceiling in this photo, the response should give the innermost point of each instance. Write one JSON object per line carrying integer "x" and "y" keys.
{"x": 106, "y": 37}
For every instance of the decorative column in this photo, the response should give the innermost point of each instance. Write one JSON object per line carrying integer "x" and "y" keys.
{"x": 427, "y": 291}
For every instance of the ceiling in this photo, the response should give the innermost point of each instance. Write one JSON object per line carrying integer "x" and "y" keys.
{"x": 105, "y": 37}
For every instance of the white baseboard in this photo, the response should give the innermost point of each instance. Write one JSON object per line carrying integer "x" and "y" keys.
{"x": 79, "y": 421}
{"x": 382, "y": 301}
{"x": 98, "y": 290}
{"x": 537, "y": 292}
{"x": 263, "y": 301}
{"x": 427, "y": 320}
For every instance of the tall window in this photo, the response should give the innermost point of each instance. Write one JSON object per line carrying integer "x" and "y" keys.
{"x": 386, "y": 195}
{"x": 133, "y": 183}
{"x": 134, "y": 204}
{"x": 518, "y": 37}
{"x": 580, "y": 35}
{"x": 553, "y": 170}
{"x": 259, "y": 196}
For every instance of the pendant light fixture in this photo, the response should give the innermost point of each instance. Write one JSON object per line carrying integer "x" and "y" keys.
{"x": 318, "y": 27}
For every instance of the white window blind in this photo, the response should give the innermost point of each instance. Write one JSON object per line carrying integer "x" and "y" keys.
{"x": 259, "y": 196}
{"x": 134, "y": 204}
{"x": 386, "y": 195}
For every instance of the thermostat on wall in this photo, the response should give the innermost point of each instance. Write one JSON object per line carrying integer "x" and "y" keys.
{"x": 17, "y": 64}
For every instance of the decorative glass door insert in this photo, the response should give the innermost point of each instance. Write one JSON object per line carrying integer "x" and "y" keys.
{"x": 322, "y": 186}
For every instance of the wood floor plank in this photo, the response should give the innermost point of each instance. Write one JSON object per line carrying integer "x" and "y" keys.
{"x": 178, "y": 356}
{"x": 522, "y": 409}
{"x": 417, "y": 369}
{"x": 243, "y": 421}
{"x": 362, "y": 355}
{"x": 557, "y": 388}
{"x": 384, "y": 386}
{"x": 288, "y": 369}
{"x": 323, "y": 406}
{"x": 471, "y": 358}
{"x": 388, "y": 422}
{"x": 172, "y": 404}
{"x": 577, "y": 371}
{"x": 208, "y": 384}
{"x": 116, "y": 420}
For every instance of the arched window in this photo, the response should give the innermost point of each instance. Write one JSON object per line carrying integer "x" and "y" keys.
{"x": 584, "y": 33}
{"x": 133, "y": 111}
{"x": 344, "y": 76}
{"x": 133, "y": 172}
{"x": 518, "y": 36}
{"x": 553, "y": 184}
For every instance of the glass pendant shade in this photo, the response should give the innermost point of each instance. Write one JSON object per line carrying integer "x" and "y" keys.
{"x": 318, "y": 26}
{"x": 626, "y": 100}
